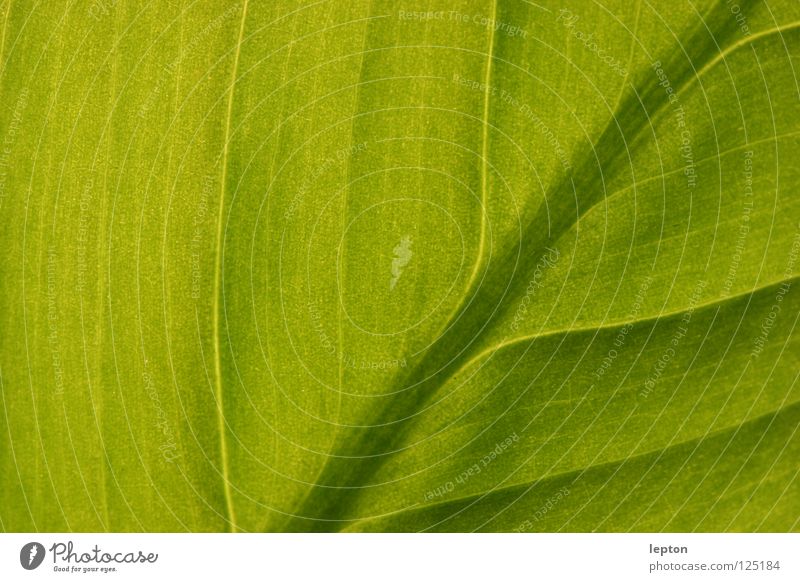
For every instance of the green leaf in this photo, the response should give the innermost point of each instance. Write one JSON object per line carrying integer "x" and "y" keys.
{"x": 415, "y": 266}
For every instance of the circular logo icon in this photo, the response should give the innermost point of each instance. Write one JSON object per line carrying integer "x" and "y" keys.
{"x": 31, "y": 555}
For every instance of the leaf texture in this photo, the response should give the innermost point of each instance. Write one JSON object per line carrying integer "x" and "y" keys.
{"x": 400, "y": 266}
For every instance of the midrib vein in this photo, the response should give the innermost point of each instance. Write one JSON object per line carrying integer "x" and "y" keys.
{"x": 743, "y": 42}
{"x": 218, "y": 286}
{"x": 6, "y": 18}
{"x": 618, "y": 324}
{"x": 485, "y": 149}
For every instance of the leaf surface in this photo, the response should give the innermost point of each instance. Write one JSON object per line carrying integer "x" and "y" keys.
{"x": 416, "y": 266}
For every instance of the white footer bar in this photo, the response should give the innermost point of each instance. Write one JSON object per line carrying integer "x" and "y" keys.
{"x": 398, "y": 557}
